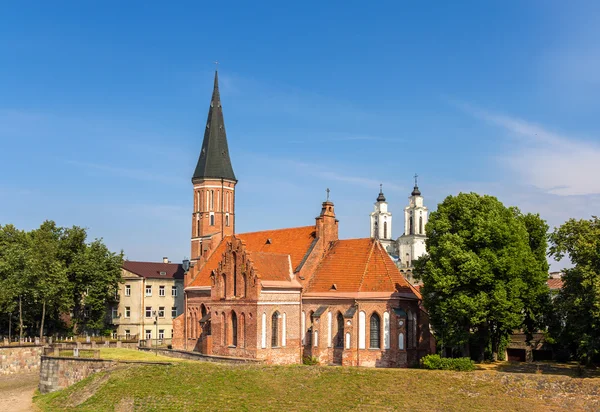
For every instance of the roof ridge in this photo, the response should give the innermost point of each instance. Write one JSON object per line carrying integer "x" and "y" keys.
{"x": 275, "y": 230}
{"x": 362, "y": 279}
{"x": 147, "y": 261}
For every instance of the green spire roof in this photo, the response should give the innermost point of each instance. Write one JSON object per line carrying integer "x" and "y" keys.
{"x": 214, "y": 159}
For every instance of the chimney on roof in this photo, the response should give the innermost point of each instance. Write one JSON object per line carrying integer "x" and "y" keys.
{"x": 165, "y": 259}
{"x": 326, "y": 223}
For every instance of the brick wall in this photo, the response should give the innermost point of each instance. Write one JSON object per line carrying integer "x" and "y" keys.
{"x": 17, "y": 359}
{"x": 58, "y": 373}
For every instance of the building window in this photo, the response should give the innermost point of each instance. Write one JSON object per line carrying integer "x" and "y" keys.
{"x": 174, "y": 312}
{"x": 114, "y": 313}
{"x": 161, "y": 311}
{"x": 161, "y": 334}
{"x": 223, "y": 329}
{"x": 374, "y": 337}
{"x": 127, "y": 333}
{"x": 275, "y": 330}
{"x": 245, "y": 285}
{"x": 283, "y": 329}
{"x": 148, "y": 290}
{"x": 386, "y": 330}
{"x": 148, "y": 333}
{"x": 234, "y": 329}
{"x": 263, "y": 331}
{"x": 198, "y": 225}
{"x": 161, "y": 291}
{"x": 339, "y": 337}
{"x": 361, "y": 330}
{"x": 174, "y": 291}
{"x": 148, "y": 311}
{"x": 385, "y": 230}
{"x": 212, "y": 219}
{"x": 410, "y": 226}
{"x": 421, "y": 224}
{"x": 127, "y": 311}
{"x": 127, "y": 290}
{"x": 224, "y": 291}
{"x": 234, "y": 274}
{"x": 212, "y": 200}
{"x": 227, "y": 219}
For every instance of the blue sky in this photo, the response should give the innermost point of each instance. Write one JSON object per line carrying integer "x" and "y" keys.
{"x": 103, "y": 105}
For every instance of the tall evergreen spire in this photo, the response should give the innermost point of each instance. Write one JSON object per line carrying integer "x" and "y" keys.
{"x": 214, "y": 161}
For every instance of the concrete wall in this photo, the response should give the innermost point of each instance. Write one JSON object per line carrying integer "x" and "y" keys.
{"x": 17, "y": 359}
{"x": 58, "y": 373}
{"x": 200, "y": 356}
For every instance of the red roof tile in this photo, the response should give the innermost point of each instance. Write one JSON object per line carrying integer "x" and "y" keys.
{"x": 271, "y": 266}
{"x": 358, "y": 265}
{"x": 294, "y": 242}
{"x": 555, "y": 283}
{"x": 154, "y": 269}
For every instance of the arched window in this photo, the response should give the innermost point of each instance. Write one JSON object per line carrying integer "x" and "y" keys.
{"x": 242, "y": 331}
{"x": 212, "y": 219}
{"x": 227, "y": 220}
{"x": 245, "y": 285}
{"x": 223, "y": 329}
{"x": 374, "y": 334}
{"x": 421, "y": 225}
{"x": 339, "y": 337}
{"x": 198, "y": 225}
{"x": 203, "y": 310}
{"x": 275, "y": 330}
{"x": 235, "y": 274}
{"x": 212, "y": 200}
{"x": 410, "y": 223}
{"x": 385, "y": 230}
{"x": 224, "y": 290}
{"x": 234, "y": 327}
{"x": 309, "y": 331}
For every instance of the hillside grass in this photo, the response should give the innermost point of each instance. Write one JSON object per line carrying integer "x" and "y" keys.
{"x": 209, "y": 386}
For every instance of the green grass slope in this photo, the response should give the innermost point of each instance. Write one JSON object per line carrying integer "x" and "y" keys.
{"x": 205, "y": 386}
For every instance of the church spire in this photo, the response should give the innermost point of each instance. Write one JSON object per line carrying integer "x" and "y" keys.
{"x": 214, "y": 161}
{"x": 416, "y": 191}
{"x": 381, "y": 197}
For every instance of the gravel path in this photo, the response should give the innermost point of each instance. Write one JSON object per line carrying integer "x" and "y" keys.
{"x": 17, "y": 390}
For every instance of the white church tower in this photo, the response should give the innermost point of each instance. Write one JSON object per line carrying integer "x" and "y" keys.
{"x": 411, "y": 245}
{"x": 381, "y": 223}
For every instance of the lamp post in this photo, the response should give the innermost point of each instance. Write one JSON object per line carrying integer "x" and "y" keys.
{"x": 9, "y": 327}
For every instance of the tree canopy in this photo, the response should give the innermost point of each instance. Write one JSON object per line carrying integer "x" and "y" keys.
{"x": 485, "y": 272}
{"x": 578, "y": 302}
{"x": 63, "y": 282}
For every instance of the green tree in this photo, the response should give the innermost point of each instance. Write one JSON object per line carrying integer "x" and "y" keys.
{"x": 578, "y": 301}
{"x": 479, "y": 267}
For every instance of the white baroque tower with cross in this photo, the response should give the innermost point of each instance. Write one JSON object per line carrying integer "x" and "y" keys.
{"x": 381, "y": 223}
{"x": 411, "y": 245}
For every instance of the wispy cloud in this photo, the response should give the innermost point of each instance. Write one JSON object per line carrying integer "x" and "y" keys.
{"x": 137, "y": 174}
{"x": 555, "y": 162}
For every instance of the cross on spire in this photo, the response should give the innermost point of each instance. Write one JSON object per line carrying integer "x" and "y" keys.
{"x": 416, "y": 176}
{"x": 216, "y": 62}
{"x": 328, "y": 194}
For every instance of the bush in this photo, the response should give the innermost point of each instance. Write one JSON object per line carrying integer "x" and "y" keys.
{"x": 455, "y": 364}
{"x": 310, "y": 360}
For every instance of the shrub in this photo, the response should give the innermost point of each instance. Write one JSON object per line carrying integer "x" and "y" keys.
{"x": 310, "y": 360}
{"x": 455, "y": 364}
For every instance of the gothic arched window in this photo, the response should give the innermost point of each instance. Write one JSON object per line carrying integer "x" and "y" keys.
{"x": 374, "y": 337}
{"x": 245, "y": 285}
{"x": 339, "y": 337}
{"x": 410, "y": 223}
{"x": 234, "y": 274}
{"x": 234, "y": 327}
{"x": 275, "y": 330}
{"x": 224, "y": 289}
{"x": 212, "y": 219}
{"x": 385, "y": 230}
{"x": 421, "y": 225}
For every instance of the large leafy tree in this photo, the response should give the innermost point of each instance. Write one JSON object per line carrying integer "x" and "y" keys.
{"x": 578, "y": 301}
{"x": 483, "y": 274}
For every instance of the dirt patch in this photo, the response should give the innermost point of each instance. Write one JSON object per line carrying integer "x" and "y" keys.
{"x": 82, "y": 395}
{"x": 17, "y": 390}
{"x": 125, "y": 405}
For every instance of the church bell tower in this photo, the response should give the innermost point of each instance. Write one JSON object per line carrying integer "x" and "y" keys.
{"x": 381, "y": 223}
{"x": 411, "y": 245}
{"x": 213, "y": 215}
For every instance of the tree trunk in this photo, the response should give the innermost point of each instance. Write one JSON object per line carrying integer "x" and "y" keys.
{"x": 495, "y": 344}
{"x": 20, "y": 321}
{"x": 42, "y": 323}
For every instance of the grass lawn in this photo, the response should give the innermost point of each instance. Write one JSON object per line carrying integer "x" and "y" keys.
{"x": 135, "y": 355}
{"x": 209, "y": 386}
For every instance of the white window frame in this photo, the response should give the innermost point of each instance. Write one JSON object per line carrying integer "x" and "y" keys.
{"x": 161, "y": 311}
{"x": 148, "y": 310}
{"x": 127, "y": 290}
{"x": 115, "y": 313}
{"x": 174, "y": 312}
{"x": 174, "y": 291}
{"x": 161, "y": 334}
{"x": 127, "y": 311}
{"x": 148, "y": 290}
{"x": 127, "y": 333}
{"x": 161, "y": 291}
{"x": 148, "y": 333}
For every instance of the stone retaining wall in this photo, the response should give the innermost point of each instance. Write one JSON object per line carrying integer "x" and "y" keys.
{"x": 59, "y": 373}
{"x": 17, "y": 359}
{"x": 181, "y": 354}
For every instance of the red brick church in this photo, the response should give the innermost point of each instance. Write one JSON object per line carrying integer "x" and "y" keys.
{"x": 280, "y": 295}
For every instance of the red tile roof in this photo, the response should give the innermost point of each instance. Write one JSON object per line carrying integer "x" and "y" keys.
{"x": 271, "y": 266}
{"x": 358, "y": 265}
{"x": 555, "y": 283}
{"x": 294, "y": 242}
{"x": 154, "y": 269}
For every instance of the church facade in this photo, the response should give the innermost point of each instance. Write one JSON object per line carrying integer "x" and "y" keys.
{"x": 285, "y": 294}
{"x": 411, "y": 244}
